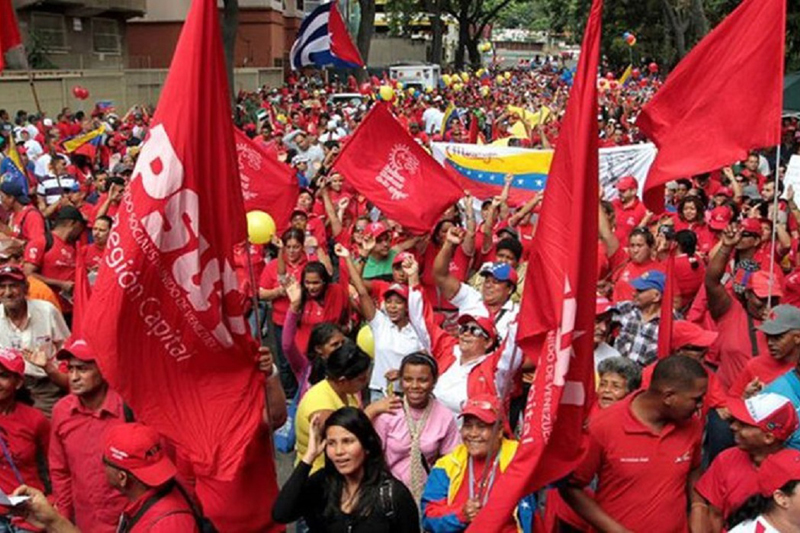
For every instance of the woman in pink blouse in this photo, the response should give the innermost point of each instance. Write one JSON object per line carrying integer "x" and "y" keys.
{"x": 423, "y": 431}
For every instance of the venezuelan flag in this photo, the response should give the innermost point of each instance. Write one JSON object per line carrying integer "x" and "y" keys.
{"x": 94, "y": 136}
{"x": 484, "y": 176}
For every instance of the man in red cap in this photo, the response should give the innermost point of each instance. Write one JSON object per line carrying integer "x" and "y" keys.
{"x": 79, "y": 422}
{"x": 628, "y": 209}
{"x": 136, "y": 465}
{"x": 377, "y": 252}
{"x": 761, "y": 424}
{"x": 37, "y": 329}
{"x": 645, "y": 452}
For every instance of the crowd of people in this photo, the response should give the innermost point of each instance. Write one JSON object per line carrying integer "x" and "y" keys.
{"x": 413, "y": 429}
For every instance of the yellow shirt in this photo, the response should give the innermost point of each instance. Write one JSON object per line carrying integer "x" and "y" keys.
{"x": 320, "y": 397}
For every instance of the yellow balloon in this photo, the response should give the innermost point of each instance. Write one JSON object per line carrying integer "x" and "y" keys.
{"x": 428, "y": 90}
{"x": 480, "y": 72}
{"x": 399, "y": 86}
{"x": 366, "y": 341}
{"x": 411, "y": 91}
{"x": 260, "y": 227}
{"x": 485, "y": 90}
{"x": 281, "y": 118}
{"x": 457, "y": 87}
{"x": 386, "y": 93}
{"x": 446, "y": 79}
{"x": 465, "y": 77}
{"x": 508, "y": 75}
{"x": 500, "y": 79}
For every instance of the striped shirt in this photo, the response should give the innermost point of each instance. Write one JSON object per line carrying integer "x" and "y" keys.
{"x": 52, "y": 188}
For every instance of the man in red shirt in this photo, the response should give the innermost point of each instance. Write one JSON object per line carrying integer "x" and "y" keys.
{"x": 26, "y": 222}
{"x": 761, "y": 424}
{"x": 93, "y": 254}
{"x": 628, "y": 209}
{"x": 54, "y": 262}
{"x": 137, "y": 466}
{"x": 645, "y": 451}
{"x": 80, "y": 421}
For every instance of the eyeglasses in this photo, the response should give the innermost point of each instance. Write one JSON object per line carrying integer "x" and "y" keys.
{"x": 750, "y": 234}
{"x": 473, "y": 329}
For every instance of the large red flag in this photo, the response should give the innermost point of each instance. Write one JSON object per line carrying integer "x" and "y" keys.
{"x": 267, "y": 184}
{"x": 723, "y": 99}
{"x": 9, "y": 31}
{"x": 166, "y": 314}
{"x": 81, "y": 293}
{"x": 667, "y": 305}
{"x": 556, "y": 318}
{"x": 385, "y": 164}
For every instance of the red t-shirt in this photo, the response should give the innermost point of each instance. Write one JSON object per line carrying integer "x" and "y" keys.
{"x": 689, "y": 277}
{"x": 459, "y": 268}
{"x": 734, "y": 343}
{"x": 56, "y": 263}
{"x": 27, "y": 224}
{"x": 642, "y": 475}
{"x": 334, "y": 308}
{"x": 269, "y": 280}
{"x": 764, "y": 367}
{"x": 729, "y": 481}
{"x": 26, "y": 433}
{"x": 627, "y": 218}
{"x": 92, "y": 256}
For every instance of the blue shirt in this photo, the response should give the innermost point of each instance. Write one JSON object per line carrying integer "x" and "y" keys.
{"x": 788, "y": 385}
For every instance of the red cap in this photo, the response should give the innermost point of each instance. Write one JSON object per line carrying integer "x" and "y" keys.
{"x": 777, "y": 470}
{"x": 298, "y": 211}
{"x": 485, "y": 323}
{"x": 13, "y": 273}
{"x": 759, "y": 283}
{"x": 137, "y": 448}
{"x": 485, "y": 407}
{"x": 399, "y": 258}
{"x": 752, "y": 225}
{"x": 376, "y": 229}
{"x": 602, "y": 305}
{"x": 398, "y": 289}
{"x": 77, "y": 348}
{"x": 685, "y": 333}
{"x": 770, "y": 412}
{"x": 720, "y": 217}
{"x": 724, "y": 191}
{"x": 627, "y": 182}
{"x": 11, "y": 359}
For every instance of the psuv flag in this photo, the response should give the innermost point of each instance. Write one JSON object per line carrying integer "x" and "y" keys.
{"x": 323, "y": 40}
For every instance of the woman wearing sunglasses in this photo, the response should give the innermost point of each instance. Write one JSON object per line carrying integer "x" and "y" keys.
{"x": 476, "y": 362}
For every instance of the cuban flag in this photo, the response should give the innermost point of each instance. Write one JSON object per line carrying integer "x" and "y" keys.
{"x": 323, "y": 40}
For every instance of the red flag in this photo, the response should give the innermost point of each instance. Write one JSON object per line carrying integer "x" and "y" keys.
{"x": 166, "y": 314}
{"x": 9, "y": 31}
{"x": 556, "y": 318}
{"x": 472, "y": 138}
{"x": 723, "y": 99}
{"x": 667, "y": 305}
{"x": 81, "y": 293}
{"x": 385, "y": 164}
{"x": 267, "y": 184}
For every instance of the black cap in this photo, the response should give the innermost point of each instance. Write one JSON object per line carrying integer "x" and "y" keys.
{"x": 69, "y": 212}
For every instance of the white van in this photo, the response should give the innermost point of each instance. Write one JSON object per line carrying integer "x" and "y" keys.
{"x": 420, "y": 76}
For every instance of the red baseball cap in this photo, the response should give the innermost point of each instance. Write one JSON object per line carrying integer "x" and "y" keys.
{"x": 376, "y": 229}
{"x": 770, "y": 412}
{"x": 627, "y": 182}
{"x": 485, "y": 323}
{"x": 398, "y": 289}
{"x": 399, "y": 258}
{"x": 485, "y": 407}
{"x": 777, "y": 470}
{"x": 13, "y": 273}
{"x": 137, "y": 448}
{"x": 298, "y": 211}
{"x": 752, "y": 225}
{"x": 77, "y": 348}
{"x": 759, "y": 283}
{"x": 685, "y": 333}
{"x": 11, "y": 359}
{"x": 602, "y": 306}
{"x": 724, "y": 191}
{"x": 720, "y": 217}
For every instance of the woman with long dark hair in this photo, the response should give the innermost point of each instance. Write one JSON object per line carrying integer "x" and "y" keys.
{"x": 354, "y": 493}
{"x": 776, "y": 509}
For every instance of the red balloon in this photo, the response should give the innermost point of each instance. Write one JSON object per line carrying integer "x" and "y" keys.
{"x": 84, "y": 93}
{"x": 636, "y": 73}
{"x": 610, "y": 76}
{"x": 653, "y": 68}
{"x": 643, "y": 83}
{"x": 76, "y": 91}
{"x": 631, "y": 39}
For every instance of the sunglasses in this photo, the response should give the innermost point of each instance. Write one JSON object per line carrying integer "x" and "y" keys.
{"x": 473, "y": 329}
{"x": 750, "y": 234}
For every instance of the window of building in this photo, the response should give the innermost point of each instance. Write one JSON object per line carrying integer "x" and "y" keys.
{"x": 50, "y": 29}
{"x": 106, "y": 36}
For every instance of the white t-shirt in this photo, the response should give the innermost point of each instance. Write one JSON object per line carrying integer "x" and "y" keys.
{"x": 759, "y": 525}
{"x": 451, "y": 388}
{"x": 470, "y": 302}
{"x": 45, "y": 330}
{"x": 432, "y": 119}
{"x": 391, "y": 345}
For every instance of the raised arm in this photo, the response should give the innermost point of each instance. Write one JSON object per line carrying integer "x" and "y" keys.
{"x": 446, "y": 282}
{"x": 469, "y": 237}
{"x": 365, "y": 302}
{"x": 719, "y": 301}
{"x": 606, "y": 235}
